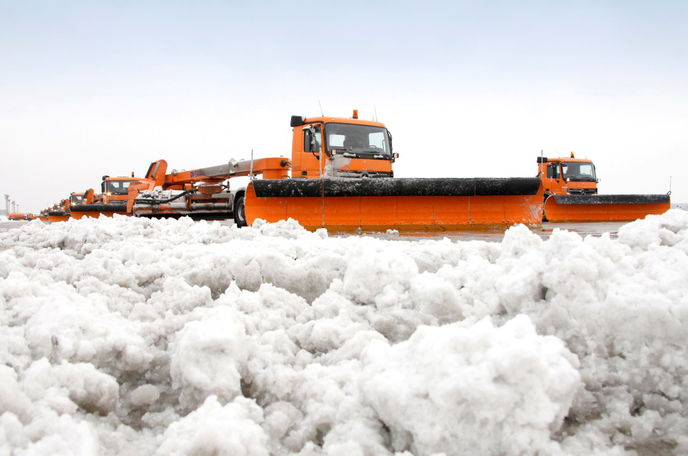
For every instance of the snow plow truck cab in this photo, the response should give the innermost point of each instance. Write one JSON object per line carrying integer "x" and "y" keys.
{"x": 351, "y": 147}
{"x": 567, "y": 176}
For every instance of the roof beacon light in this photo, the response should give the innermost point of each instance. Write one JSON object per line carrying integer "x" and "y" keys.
{"x": 355, "y": 116}
{"x": 572, "y": 156}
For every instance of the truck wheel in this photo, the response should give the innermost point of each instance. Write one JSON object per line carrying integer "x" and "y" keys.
{"x": 239, "y": 211}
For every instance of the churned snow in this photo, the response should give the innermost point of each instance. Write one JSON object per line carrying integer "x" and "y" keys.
{"x": 128, "y": 336}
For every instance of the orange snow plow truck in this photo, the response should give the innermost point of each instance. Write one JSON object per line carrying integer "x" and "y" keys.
{"x": 61, "y": 212}
{"x": 339, "y": 177}
{"x": 112, "y": 199}
{"x": 570, "y": 192}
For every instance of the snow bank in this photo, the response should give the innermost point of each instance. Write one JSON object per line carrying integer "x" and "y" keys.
{"x": 125, "y": 336}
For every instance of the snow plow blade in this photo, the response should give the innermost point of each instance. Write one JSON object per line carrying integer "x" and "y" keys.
{"x": 404, "y": 204}
{"x": 95, "y": 210}
{"x": 603, "y": 208}
{"x": 58, "y": 216}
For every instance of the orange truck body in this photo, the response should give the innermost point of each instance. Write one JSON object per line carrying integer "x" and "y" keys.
{"x": 339, "y": 177}
{"x": 570, "y": 192}
{"x": 20, "y": 216}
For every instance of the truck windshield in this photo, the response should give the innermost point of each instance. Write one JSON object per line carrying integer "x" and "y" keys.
{"x": 361, "y": 140}
{"x": 76, "y": 199}
{"x": 579, "y": 171}
{"x": 117, "y": 187}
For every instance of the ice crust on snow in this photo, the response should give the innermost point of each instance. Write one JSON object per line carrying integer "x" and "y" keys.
{"x": 127, "y": 336}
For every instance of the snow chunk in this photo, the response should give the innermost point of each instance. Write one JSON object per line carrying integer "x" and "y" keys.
{"x": 471, "y": 389}
{"x": 668, "y": 229}
{"x": 209, "y": 356}
{"x": 233, "y": 429}
{"x": 12, "y": 398}
{"x": 378, "y": 276}
{"x": 90, "y": 389}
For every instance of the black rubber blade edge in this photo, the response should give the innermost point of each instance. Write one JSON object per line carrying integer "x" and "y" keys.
{"x": 611, "y": 199}
{"x": 396, "y": 187}
{"x": 98, "y": 207}
{"x": 57, "y": 213}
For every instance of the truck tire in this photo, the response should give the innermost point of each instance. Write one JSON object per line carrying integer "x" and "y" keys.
{"x": 239, "y": 210}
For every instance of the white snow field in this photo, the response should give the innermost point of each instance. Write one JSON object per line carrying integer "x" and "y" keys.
{"x": 132, "y": 336}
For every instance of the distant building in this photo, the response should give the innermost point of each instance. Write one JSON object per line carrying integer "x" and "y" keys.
{"x": 6, "y": 211}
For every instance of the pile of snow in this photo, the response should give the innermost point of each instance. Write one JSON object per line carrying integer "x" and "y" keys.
{"x": 160, "y": 337}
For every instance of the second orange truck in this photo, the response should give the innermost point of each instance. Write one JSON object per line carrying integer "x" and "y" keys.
{"x": 570, "y": 191}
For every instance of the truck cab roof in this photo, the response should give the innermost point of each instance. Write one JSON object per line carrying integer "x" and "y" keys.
{"x": 298, "y": 120}
{"x": 563, "y": 160}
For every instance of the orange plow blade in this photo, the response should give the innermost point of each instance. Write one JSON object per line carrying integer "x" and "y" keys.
{"x": 603, "y": 208}
{"x": 397, "y": 203}
{"x": 58, "y": 216}
{"x": 95, "y": 210}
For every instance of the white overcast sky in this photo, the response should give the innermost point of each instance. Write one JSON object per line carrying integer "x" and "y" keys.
{"x": 468, "y": 88}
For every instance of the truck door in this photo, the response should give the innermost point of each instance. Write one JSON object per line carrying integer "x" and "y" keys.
{"x": 555, "y": 183}
{"x": 307, "y": 151}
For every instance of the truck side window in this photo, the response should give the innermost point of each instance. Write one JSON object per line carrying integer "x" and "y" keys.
{"x": 553, "y": 171}
{"x": 307, "y": 135}
{"x": 311, "y": 139}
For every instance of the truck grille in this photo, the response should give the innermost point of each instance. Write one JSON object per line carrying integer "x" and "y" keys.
{"x": 582, "y": 191}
